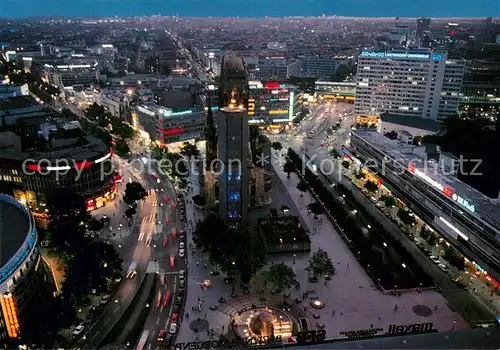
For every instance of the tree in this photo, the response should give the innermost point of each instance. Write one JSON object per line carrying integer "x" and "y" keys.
{"x": 232, "y": 250}
{"x": 406, "y": 217}
{"x": 130, "y": 212}
{"x": 302, "y": 186}
{"x": 95, "y": 225}
{"x": 360, "y": 175}
{"x": 335, "y": 154}
{"x": 454, "y": 258}
{"x": 277, "y": 146}
{"x": 134, "y": 192}
{"x": 346, "y": 164}
{"x": 289, "y": 168}
{"x": 199, "y": 200}
{"x": 371, "y": 186}
{"x": 316, "y": 208}
{"x": 280, "y": 276}
{"x": 388, "y": 200}
{"x": 393, "y": 135}
{"x": 122, "y": 148}
{"x": 68, "y": 219}
{"x": 190, "y": 150}
{"x": 259, "y": 283}
{"x": 158, "y": 152}
{"x": 273, "y": 212}
{"x": 321, "y": 264}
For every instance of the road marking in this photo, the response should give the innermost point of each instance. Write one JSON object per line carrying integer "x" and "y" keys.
{"x": 106, "y": 322}
{"x": 158, "y": 321}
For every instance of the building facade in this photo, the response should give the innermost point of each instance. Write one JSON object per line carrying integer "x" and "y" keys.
{"x": 463, "y": 216}
{"x": 273, "y": 68}
{"x": 272, "y": 102}
{"x": 166, "y": 126}
{"x": 67, "y": 75}
{"x": 26, "y": 286}
{"x": 233, "y": 141}
{"x": 414, "y": 83}
{"x": 41, "y": 151}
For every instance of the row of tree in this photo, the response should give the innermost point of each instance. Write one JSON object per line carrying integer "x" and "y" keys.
{"x": 242, "y": 253}
{"x": 90, "y": 264}
{"x": 123, "y": 131}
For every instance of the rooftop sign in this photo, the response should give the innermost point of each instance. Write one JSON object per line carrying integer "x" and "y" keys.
{"x": 395, "y": 55}
{"x": 445, "y": 190}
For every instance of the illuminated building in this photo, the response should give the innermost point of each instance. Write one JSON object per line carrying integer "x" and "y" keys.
{"x": 414, "y": 83}
{"x": 167, "y": 126}
{"x": 26, "y": 286}
{"x": 272, "y": 102}
{"x": 334, "y": 91}
{"x": 41, "y": 151}
{"x": 232, "y": 141}
{"x": 276, "y": 68}
{"x": 429, "y": 187}
{"x": 82, "y": 72}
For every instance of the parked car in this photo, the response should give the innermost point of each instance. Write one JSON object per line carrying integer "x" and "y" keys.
{"x": 443, "y": 267}
{"x": 182, "y": 283}
{"x": 181, "y": 245}
{"x": 181, "y": 253}
{"x": 78, "y": 330}
{"x": 434, "y": 259}
{"x": 173, "y": 328}
{"x": 169, "y": 339}
{"x": 104, "y": 299}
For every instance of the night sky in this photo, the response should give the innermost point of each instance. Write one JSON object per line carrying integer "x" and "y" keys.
{"x": 251, "y": 8}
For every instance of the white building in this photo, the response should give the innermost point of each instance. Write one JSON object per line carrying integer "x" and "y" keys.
{"x": 271, "y": 68}
{"x": 413, "y": 83}
{"x": 67, "y": 75}
{"x": 319, "y": 67}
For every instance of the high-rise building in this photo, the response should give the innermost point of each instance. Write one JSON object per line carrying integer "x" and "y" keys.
{"x": 26, "y": 284}
{"x": 232, "y": 141}
{"x": 415, "y": 83}
{"x": 423, "y": 26}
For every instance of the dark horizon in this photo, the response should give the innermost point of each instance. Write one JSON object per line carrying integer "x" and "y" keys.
{"x": 10, "y": 9}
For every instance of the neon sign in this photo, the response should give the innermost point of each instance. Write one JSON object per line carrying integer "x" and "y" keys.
{"x": 173, "y": 131}
{"x": 394, "y": 55}
{"x": 446, "y": 190}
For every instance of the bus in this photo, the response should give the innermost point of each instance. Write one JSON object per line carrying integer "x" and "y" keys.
{"x": 143, "y": 340}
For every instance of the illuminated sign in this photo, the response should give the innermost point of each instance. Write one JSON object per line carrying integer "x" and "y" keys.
{"x": 292, "y": 102}
{"x": 437, "y": 57}
{"x": 173, "y": 131}
{"x": 446, "y": 190}
{"x": 463, "y": 202}
{"x": 273, "y": 85}
{"x": 175, "y": 114}
{"x": 456, "y": 230}
{"x": 278, "y": 111}
{"x": 10, "y": 315}
{"x": 102, "y": 159}
{"x": 394, "y": 55}
{"x": 231, "y": 344}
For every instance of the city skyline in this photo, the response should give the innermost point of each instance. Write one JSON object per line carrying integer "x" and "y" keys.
{"x": 251, "y": 8}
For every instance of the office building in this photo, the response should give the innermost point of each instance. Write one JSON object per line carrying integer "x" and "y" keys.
{"x": 232, "y": 141}
{"x": 414, "y": 83}
{"x": 117, "y": 103}
{"x": 319, "y": 67}
{"x": 40, "y": 151}
{"x": 13, "y": 90}
{"x": 423, "y": 27}
{"x": 165, "y": 125}
{"x": 26, "y": 285}
{"x": 271, "y": 68}
{"x": 68, "y": 75}
{"x": 335, "y": 91}
{"x": 272, "y": 102}
{"x": 426, "y": 182}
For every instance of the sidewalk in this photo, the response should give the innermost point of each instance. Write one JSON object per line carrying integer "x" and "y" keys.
{"x": 352, "y": 300}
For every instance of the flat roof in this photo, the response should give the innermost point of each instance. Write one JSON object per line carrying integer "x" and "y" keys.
{"x": 484, "y": 206}
{"x": 480, "y": 338}
{"x": 411, "y": 121}
{"x": 10, "y": 149}
{"x": 14, "y": 227}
